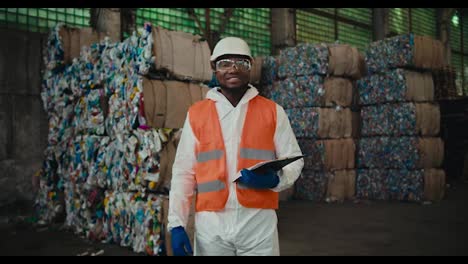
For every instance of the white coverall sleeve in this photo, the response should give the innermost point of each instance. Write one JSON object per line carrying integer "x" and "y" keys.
{"x": 183, "y": 179}
{"x": 286, "y": 146}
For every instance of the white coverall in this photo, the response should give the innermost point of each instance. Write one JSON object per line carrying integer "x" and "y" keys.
{"x": 235, "y": 230}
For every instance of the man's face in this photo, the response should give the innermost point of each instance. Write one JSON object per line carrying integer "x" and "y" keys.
{"x": 232, "y": 71}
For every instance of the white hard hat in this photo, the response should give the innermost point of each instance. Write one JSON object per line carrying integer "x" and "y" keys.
{"x": 231, "y": 45}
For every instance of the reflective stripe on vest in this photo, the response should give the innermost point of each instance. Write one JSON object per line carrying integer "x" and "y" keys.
{"x": 209, "y": 155}
{"x": 257, "y": 154}
{"x": 211, "y": 186}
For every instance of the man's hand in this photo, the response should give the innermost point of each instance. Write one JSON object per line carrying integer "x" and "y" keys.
{"x": 267, "y": 180}
{"x": 180, "y": 242}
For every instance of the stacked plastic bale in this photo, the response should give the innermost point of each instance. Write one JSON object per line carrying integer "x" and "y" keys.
{"x": 400, "y": 153}
{"x": 175, "y": 81}
{"x": 315, "y": 83}
{"x": 102, "y": 164}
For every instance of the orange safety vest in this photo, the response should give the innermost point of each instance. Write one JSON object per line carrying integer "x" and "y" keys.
{"x": 257, "y": 144}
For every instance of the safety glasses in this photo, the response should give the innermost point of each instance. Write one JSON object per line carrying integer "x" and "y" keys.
{"x": 226, "y": 64}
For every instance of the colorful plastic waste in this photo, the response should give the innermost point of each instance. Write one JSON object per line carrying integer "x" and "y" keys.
{"x": 381, "y": 184}
{"x": 102, "y": 160}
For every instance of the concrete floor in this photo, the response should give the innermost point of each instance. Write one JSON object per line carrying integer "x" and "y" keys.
{"x": 305, "y": 228}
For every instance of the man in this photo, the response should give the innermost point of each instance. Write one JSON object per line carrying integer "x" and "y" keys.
{"x": 232, "y": 129}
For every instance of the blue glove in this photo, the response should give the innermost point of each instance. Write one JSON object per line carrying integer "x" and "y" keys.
{"x": 259, "y": 181}
{"x": 180, "y": 242}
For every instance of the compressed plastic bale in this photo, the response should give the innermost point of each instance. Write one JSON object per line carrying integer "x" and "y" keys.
{"x": 167, "y": 102}
{"x": 90, "y": 114}
{"x": 148, "y": 157}
{"x": 338, "y": 91}
{"x": 92, "y": 68}
{"x": 84, "y": 207}
{"x": 303, "y": 59}
{"x": 315, "y": 152}
{"x": 142, "y": 156}
{"x": 132, "y": 162}
{"x": 335, "y": 154}
{"x": 167, "y": 157}
{"x": 428, "y": 119}
{"x": 266, "y": 90}
{"x": 304, "y": 89}
{"x": 405, "y": 186}
{"x": 370, "y": 184}
{"x": 434, "y": 184}
{"x": 399, "y": 119}
{"x": 345, "y": 60}
{"x": 389, "y": 119}
{"x": 98, "y": 170}
{"x": 438, "y": 51}
{"x": 124, "y": 113}
{"x": 420, "y": 86}
{"x": 304, "y": 121}
{"x": 117, "y": 120}
{"x": 60, "y": 90}
{"x": 397, "y": 85}
{"x": 382, "y": 184}
{"x": 336, "y": 123}
{"x": 269, "y": 70}
{"x": 94, "y": 75}
{"x": 184, "y": 55}
{"x": 428, "y": 53}
{"x": 311, "y": 185}
{"x": 74, "y": 38}
{"x": 80, "y": 215}
{"x": 400, "y": 152}
{"x": 62, "y": 128}
{"x": 431, "y": 152}
{"x": 115, "y": 165}
{"x": 81, "y": 187}
{"x": 134, "y": 220}
{"x": 49, "y": 203}
{"x": 341, "y": 186}
{"x": 102, "y": 90}
{"x": 314, "y": 59}
{"x": 322, "y": 123}
{"x": 312, "y": 91}
{"x": 407, "y": 50}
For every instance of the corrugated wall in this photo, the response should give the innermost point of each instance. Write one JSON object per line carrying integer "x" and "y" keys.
{"x": 251, "y": 24}
{"x": 398, "y": 21}
{"x": 423, "y": 21}
{"x": 346, "y": 25}
{"x": 459, "y": 46}
{"x": 42, "y": 19}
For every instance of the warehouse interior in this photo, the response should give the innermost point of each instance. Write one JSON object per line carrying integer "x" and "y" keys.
{"x": 377, "y": 98}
